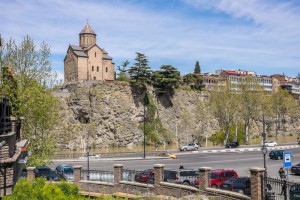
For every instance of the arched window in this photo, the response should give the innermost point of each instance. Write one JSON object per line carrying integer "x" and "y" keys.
{"x": 97, "y": 68}
{"x": 92, "y": 68}
{"x": 94, "y": 77}
{"x": 95, "y": 54}
{"x": 106, "y": 69}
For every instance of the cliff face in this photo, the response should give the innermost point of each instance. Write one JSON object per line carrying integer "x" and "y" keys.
{"x": 110, "y": 115}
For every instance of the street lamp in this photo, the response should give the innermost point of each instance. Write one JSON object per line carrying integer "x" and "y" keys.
{"x": 88, "y": 156}
{"x": 264, "y": 151}
{"x": 145, "y": 102}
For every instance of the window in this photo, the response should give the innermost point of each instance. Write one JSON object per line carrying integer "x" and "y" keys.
{"x": 97, "y": 68}
{"x": 94, "y": 77}
{"x": 95, "y": 54}
{"x": 106, "y": 69}
{"x": 92, "y": 68}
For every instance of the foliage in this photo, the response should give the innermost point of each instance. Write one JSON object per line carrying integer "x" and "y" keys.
{"x": 197, "y": 69}
{"x": 140, "y": 71}
{"x": 40, "y": 190}
{"x": 27, "y": 87}
{"x": 218, "y": 137}
{"x": 168, "y": 78}
{"x": 192, "y": 79}
{"x": 123, "y": 76}
{"x": 154, "y": 129}
{"x": 223, "y": 105}
{"x": 282, "y": 104}
{"x": 248, "y": 102}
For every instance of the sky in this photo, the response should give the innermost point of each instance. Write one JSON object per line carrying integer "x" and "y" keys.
{"x": 255, "y": 35}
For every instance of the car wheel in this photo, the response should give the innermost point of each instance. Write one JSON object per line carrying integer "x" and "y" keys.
{"x": 196, "y": 149}
{"x": 185, "y": 183}
{"x": 214, "y": 186}
{"x": 240, "y": 191}
{"x": 184, "y": 149}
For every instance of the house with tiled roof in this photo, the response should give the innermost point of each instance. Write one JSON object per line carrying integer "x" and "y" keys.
{"x": 88, "y": 61}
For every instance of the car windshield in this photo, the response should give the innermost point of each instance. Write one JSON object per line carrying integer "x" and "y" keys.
{"x": 213, "y": 175}
{"x": 68, "y": 170}
{"x": 298, "y": 165}
{"x": 44, "y": 170}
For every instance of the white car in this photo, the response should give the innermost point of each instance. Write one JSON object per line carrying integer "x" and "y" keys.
{"x": 269, "y": 144}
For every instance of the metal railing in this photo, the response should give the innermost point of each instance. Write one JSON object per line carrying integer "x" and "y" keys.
{"x": 98, "y": 175}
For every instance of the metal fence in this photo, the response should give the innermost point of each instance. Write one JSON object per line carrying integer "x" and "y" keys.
{"x": 278, "y": 188}
{"x": 129, "y": 174}
{"x": 97, "y": 175}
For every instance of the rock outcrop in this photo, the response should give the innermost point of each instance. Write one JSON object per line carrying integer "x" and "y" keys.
{"x": 109, "y": 115}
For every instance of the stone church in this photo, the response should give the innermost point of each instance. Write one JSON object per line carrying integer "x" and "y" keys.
{"x": 87, "y": 61}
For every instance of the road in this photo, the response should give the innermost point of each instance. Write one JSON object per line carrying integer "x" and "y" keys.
{"x": 240, "y": 161}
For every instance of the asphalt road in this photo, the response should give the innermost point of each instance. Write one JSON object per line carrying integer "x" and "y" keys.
{"x": 240, "y": 161}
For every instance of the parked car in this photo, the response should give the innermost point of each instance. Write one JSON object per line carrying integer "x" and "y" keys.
{"x": 189, "y": 147}
{"x": 241, "y": 185}
{"x": 181, "y": 176}
{"x": 296, "y": 169}
{"x": 146, "y": 176}
{"x": 232, "y": 144}
{"x": 65, "y": 171}
{"x": 295, "y": 192}
{"x": 219, "y": 176}
{"x": 269, "y": 144}
{"x": 276, "y": 154}
{"x": 47, "y": 173}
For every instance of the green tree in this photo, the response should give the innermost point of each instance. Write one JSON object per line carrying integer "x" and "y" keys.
{"x": 223, "y": 106}
{"x": 193, "y": 80}
{"x": 282, "y": 105}
{"x": 122, "y": 76}
{"x": 29, "y": 93}
{"x": 249, "y": 100}
{"x": 140, "y": 71}
{"x": 197, "y": 69}
{"x": 168, "y": 78}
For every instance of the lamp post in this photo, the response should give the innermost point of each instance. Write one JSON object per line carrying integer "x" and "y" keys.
{"x": 145, "y": 101}
{"x": 88, "y": 157}
{"x": 264, "y": 151}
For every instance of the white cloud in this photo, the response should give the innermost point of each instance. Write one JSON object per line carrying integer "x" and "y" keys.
{"x": 256, "y": 33}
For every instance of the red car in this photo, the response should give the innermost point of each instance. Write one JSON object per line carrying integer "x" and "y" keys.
{"x": 146, "y": 176}
{"x": 219, "y": 176}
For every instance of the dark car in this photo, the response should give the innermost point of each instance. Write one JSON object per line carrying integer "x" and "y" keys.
{"x": 181, "y": 176}
{"x": 65, "y": 171}
{"x": 47, "y": 173}
{"x": 232, "y": 145}
{"x": 146, "y": 176}
{"x": 276, "y": 154}
{"x": 219, "y": 176}
{"x": 240, "y": 184}
{"x": 296, "y": 169}
{"x": 295, "y": 192}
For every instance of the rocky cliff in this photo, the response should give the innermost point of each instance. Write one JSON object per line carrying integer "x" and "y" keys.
{"x": 109, "y": 115}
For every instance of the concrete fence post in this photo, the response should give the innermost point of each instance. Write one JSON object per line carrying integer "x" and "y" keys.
{"x": 77, "y": 173}
{"x": 30, "y": 173}
{"x": 204, "y": 178}
{"x": 13, "y": 124}
{"x": 256, "y": 183}
{"x": 158, "y": 173}
{"x": 118, "y": 168}
{"x": 22, "y": 119}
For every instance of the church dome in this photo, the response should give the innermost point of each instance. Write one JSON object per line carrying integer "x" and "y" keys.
{"x": 87, "y": 30}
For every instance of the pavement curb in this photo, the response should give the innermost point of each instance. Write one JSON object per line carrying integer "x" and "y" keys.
{"x": 250, "y": 149}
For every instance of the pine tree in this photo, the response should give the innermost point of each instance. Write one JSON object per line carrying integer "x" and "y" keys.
{"x": 140, "y": 71}
{"x": 197, "y": 68}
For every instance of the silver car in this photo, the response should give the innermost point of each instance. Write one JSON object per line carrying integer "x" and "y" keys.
{"x": 189, "y": 147}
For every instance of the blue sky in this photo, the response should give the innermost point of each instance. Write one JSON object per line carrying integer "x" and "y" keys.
{"x": 256, "y": 35}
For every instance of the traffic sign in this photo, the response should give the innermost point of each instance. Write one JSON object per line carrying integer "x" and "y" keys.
{"x": 287, "y": 159}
